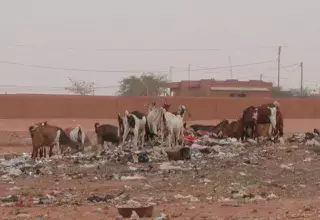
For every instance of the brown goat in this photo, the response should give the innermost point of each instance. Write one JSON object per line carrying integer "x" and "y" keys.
{"x": 48, "y": 135}
{"x": 43, "y": 152}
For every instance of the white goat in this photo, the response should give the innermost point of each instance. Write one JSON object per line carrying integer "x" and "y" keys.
{"x": 77, "y": 134}
{"x": 134, "y": 122}
{"x": 154, "y": 119}
{"x": 174, "y": 125}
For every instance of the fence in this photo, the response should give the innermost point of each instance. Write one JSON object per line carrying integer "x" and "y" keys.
{"x": 73, "y": 106}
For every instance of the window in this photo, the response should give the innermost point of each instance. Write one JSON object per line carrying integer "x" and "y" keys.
{"x": 242, "y": 95}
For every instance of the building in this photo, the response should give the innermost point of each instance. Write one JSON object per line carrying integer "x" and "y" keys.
{"x": 221, "y": 88}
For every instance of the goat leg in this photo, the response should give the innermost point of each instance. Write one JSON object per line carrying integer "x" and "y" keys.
{"x": 40, "y": 152}
{"x": 169, "y": 138}
{"x": 136, "y": 137}
{"x": 50, "y": 150}
{"x": 143, "y": 134}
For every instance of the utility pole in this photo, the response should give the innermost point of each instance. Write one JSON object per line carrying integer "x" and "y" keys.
{"x": 170, "y": 73}
{"x": 230, "y": 67}
{"x": 261, "y": 76}
{"x": 189, "y": 70}
{"x": 301, "y": 80}
{"x": 279, "y": 52}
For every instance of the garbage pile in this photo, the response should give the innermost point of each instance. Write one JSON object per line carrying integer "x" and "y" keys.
{"x": 196, "y": 148}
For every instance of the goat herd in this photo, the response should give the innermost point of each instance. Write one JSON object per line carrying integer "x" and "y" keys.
{"x": 158, "y": 124}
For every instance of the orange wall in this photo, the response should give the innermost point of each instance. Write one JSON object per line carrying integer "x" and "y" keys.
{"x": 69, "y": 106}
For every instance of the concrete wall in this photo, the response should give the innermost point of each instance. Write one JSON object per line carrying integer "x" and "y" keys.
{"x": 68, "y": 106}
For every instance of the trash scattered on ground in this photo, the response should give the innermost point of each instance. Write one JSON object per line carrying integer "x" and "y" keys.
{"x": 205, "y": 171}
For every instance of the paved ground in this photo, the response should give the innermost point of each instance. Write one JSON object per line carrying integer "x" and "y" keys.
{"x": 297, "y": 190}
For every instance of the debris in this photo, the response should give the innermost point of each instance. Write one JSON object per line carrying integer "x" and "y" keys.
{"x": 10, "y": 198}
{"x": 313, "y": 142}
{"x": 182, "y": 153}
{"x": 99, "y": 198}
{"x": 134, "y": 177}
{"x": 287, "y": 167}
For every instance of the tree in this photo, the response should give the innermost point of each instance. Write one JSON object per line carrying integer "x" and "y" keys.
{"x": 276, "y": 92}
{"x": 81, "y": 87}
{"x": 297, "y": 92}
{"x": 148, "y": 84}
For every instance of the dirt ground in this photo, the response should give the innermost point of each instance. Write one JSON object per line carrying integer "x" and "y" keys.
{"x": 284, "y": 192}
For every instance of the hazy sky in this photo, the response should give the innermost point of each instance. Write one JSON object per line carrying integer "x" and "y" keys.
{"x": 248, "y": 31}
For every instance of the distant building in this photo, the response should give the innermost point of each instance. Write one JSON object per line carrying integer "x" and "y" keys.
{"x": 219, "y": 88}
{"x": 314, "y": 92}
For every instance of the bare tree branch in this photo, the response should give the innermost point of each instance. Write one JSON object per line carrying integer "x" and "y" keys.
{"x": 81, "y": 87}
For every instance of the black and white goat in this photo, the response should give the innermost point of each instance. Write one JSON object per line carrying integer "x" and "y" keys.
{"x": 174, "y": 125}
{"x": 134, "y": 122}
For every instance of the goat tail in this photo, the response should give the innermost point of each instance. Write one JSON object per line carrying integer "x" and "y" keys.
{"x": 164, "y": 118}
{"x": 131, "y": 121}
{"x": 30, "y": 128}
{"x": 96, "y": 125}
{"x": 81, "y": 134}
{"x": 63, "y": 136}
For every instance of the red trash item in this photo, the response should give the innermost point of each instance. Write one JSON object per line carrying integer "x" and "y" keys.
{"x": 19, "y": 203}
{"x": 190, "y": 138}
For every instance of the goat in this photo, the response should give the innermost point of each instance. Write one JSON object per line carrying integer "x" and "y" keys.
{"x": 48, "y": 135}
{"x": 77, "y": 134}
{"x": 134, "y": 122}
{"x": 42, "y": 150}
{"x": 211, "y": 128}
{"x": 174, "y": 125}
{"x": 231, "y": 130}
{"x": 106, "y": 133}
{"x": 154, "y": 121}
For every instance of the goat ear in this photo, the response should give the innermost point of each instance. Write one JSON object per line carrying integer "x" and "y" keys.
{"x": 126, "y": 113}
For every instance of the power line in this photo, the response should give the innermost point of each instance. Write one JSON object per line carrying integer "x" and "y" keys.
{"x": 141, "y": 49}
{"x": 125, "y": 71}
{"x": 51, "y": 87}
{"x": 289, "y": 65}
{"x": 79, "y": 70}
{"x": 234, "y": 66}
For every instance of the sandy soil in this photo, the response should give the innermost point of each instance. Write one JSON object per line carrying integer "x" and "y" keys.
{"x": 297, "y": 191}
